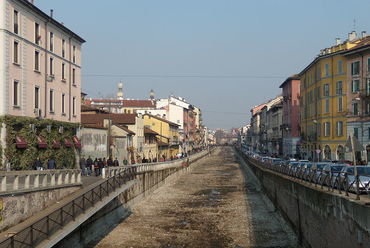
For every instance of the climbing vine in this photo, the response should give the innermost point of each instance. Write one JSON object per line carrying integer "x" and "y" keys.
{"x": 29, "y": 129}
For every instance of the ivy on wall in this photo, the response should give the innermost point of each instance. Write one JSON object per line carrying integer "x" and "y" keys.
{"x": 23, "y": 159}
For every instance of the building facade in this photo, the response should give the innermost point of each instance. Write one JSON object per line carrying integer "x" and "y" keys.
{"x": 323, "y": 103}
{"x": 290, "y": 123}
{"x": 41, "y": 64}
{"x": 358, "y": 95}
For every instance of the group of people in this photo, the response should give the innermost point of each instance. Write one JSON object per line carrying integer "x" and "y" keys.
{"x": 39, "y": 165}
{"x": 88, "y": 166}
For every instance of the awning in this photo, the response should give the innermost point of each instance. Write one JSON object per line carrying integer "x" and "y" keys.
{"x": 56, "y": 144}
{"x": 41, "y": 142}
{"x": 67, "y": 142}
{"x": 77, "y": 142}
{"x": 20, "y": 142}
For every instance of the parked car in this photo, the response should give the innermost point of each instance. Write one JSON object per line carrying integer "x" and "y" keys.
{"x": 364, "y": 178}
{"x": 330, "y": 174}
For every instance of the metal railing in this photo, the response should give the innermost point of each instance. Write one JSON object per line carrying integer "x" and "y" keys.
{"x": 340, "y": 181}
{"x": 43, "y": 228}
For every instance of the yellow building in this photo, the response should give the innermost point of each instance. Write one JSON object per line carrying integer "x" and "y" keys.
{"x": 167, "y": 135}
{"x": 323, "y": 103}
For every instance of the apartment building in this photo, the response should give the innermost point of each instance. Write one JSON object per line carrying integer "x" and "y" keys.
{"x": 41, "y": 64}
{"x": 324, "y": 93}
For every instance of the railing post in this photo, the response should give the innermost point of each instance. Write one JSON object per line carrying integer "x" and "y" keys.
{"x": 73, "y": 178}
{"x": 45, "y": 180}
{"x": 78, "y": 177}
{"x": 346, "y": 183}
{"x": 60, "y": 178}
{"x": 3, "y": 183}
{"x": 52, "y": 179}
{"x": 357, "y": 186}
{"x": 27, "y": 182}
{"x": 66, "y": 177}
{"x": 36, "y": 182}
{"x": 31, "y": 235}
{"x": 47, "y": 226}
{"x": 16, "y": 183}
{"x": 73, "y": 210}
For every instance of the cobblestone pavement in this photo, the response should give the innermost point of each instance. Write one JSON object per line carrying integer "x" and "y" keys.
{"x": 213, "y": 205}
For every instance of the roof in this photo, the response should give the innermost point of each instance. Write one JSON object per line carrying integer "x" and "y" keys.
{"x": 124, "y": 128}
{"x": 97, "y": 126}
{"x": 164, "y": 120}
{"x": 292, "y": 77}
{"x": 149, "y": 131}
{"x": 86, "y": 108}
{"x": 363, "y": 44}
{"x": 258, "y": 108}
{"x": 116, "y": 118}
{"x": 50, "y": 19}
{"x": 139, "y": 103}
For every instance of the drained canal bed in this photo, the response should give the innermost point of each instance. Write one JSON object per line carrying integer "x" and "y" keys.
{"x": 213, "y": 205}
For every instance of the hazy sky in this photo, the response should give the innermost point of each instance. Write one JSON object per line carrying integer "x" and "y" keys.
{"x": 224, "y": 56}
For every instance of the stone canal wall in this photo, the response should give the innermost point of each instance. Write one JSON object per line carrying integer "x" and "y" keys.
{"x": 320, "y": 218}
{"x": 101, "y": 223}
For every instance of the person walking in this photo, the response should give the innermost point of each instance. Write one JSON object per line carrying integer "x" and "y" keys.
{"x": 38, "y": 164}
{"x": 110, "y": 162}
{"x": 96, "y": 167}
{"x": 51, "y": 164}
{"x": 89, "y": 164}
{"x": 83, "y": 165}
{"x": 100, "y": 166}
{"x": 116, "y": 162}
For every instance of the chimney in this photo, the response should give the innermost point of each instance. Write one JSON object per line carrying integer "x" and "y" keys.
{"x": 363, "y": 34}
{"x": 337, "y": 41}
{"x": 352, "y": 36}
{"x": 51, "y": 13}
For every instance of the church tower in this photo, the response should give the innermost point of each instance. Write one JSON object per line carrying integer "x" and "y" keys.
{"x": 120, "y": 91}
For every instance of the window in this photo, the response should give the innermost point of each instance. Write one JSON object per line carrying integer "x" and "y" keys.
{"x": 355, "y": 108}
{"x": 74, "y": 54}
{"x": 318, "y": 129}
{"x": 16, "y": 52}
{"x": 16, "y": 93}
{"x": 63, "y": 104}
{"x": 326, "y": 90}
{"x": 63, "y": 48}
{"x": 74, "y": 76}
{"x": 340, "y": 104}
{"x": 37, "y": 60}
{"x": 51, "y": 69}
{"x": 37, "y": 97}
{"x": 16, "y": 25}
{"x": 327, "y": 105}
{"x": 340, "y": 67}
{"x": 355, "y": 85}
{"x": 368, "y": 131}
{"x": 51, "y": 101}
{"x": 327, "y": 129}
{"x": 367, "y": 107}
{"x": 326, "y": 70}
{"x": 51, "y": 45}
{"x": 368, "y": 86}
{"x": 355, "y": 132}
{"x": 37, "y": 33}
{"x": 339, "y": 88}
{"x": 355, "y": 68}
{"x": 74, "y": 106}
{"x": 63, "y": 72}
{"x": 368, "y": 64}
{"x": 340, "y": 128}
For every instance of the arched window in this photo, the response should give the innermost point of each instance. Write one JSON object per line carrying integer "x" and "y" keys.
{"x": 327, "y": 152}
{"x": 340, "y": 153}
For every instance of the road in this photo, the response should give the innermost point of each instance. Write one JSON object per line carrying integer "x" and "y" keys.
{"x": 213, "y": 205}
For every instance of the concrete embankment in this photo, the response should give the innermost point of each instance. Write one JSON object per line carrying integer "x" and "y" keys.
{"x": 320, "y": 218}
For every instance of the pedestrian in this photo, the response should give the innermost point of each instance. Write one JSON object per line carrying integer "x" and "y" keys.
{"x": 100, "y": 166}
{"x": 51, "y": 164}
{"x": 104, "y": 162}
{"x": 89, "y": 164}
{"x": 96, "y": 167}
{"x": 83, "y": 165}
{"x": 116, "y": 162}
{"x": 110, "y": 162}
{"x": 38, "y": 164}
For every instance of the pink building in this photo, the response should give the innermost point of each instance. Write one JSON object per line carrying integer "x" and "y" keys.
{"x": 290, "y": 125}
{"x": 41, "y": 61}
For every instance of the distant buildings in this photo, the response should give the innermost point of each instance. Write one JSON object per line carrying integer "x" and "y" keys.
{"x": 321, "y": 106}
